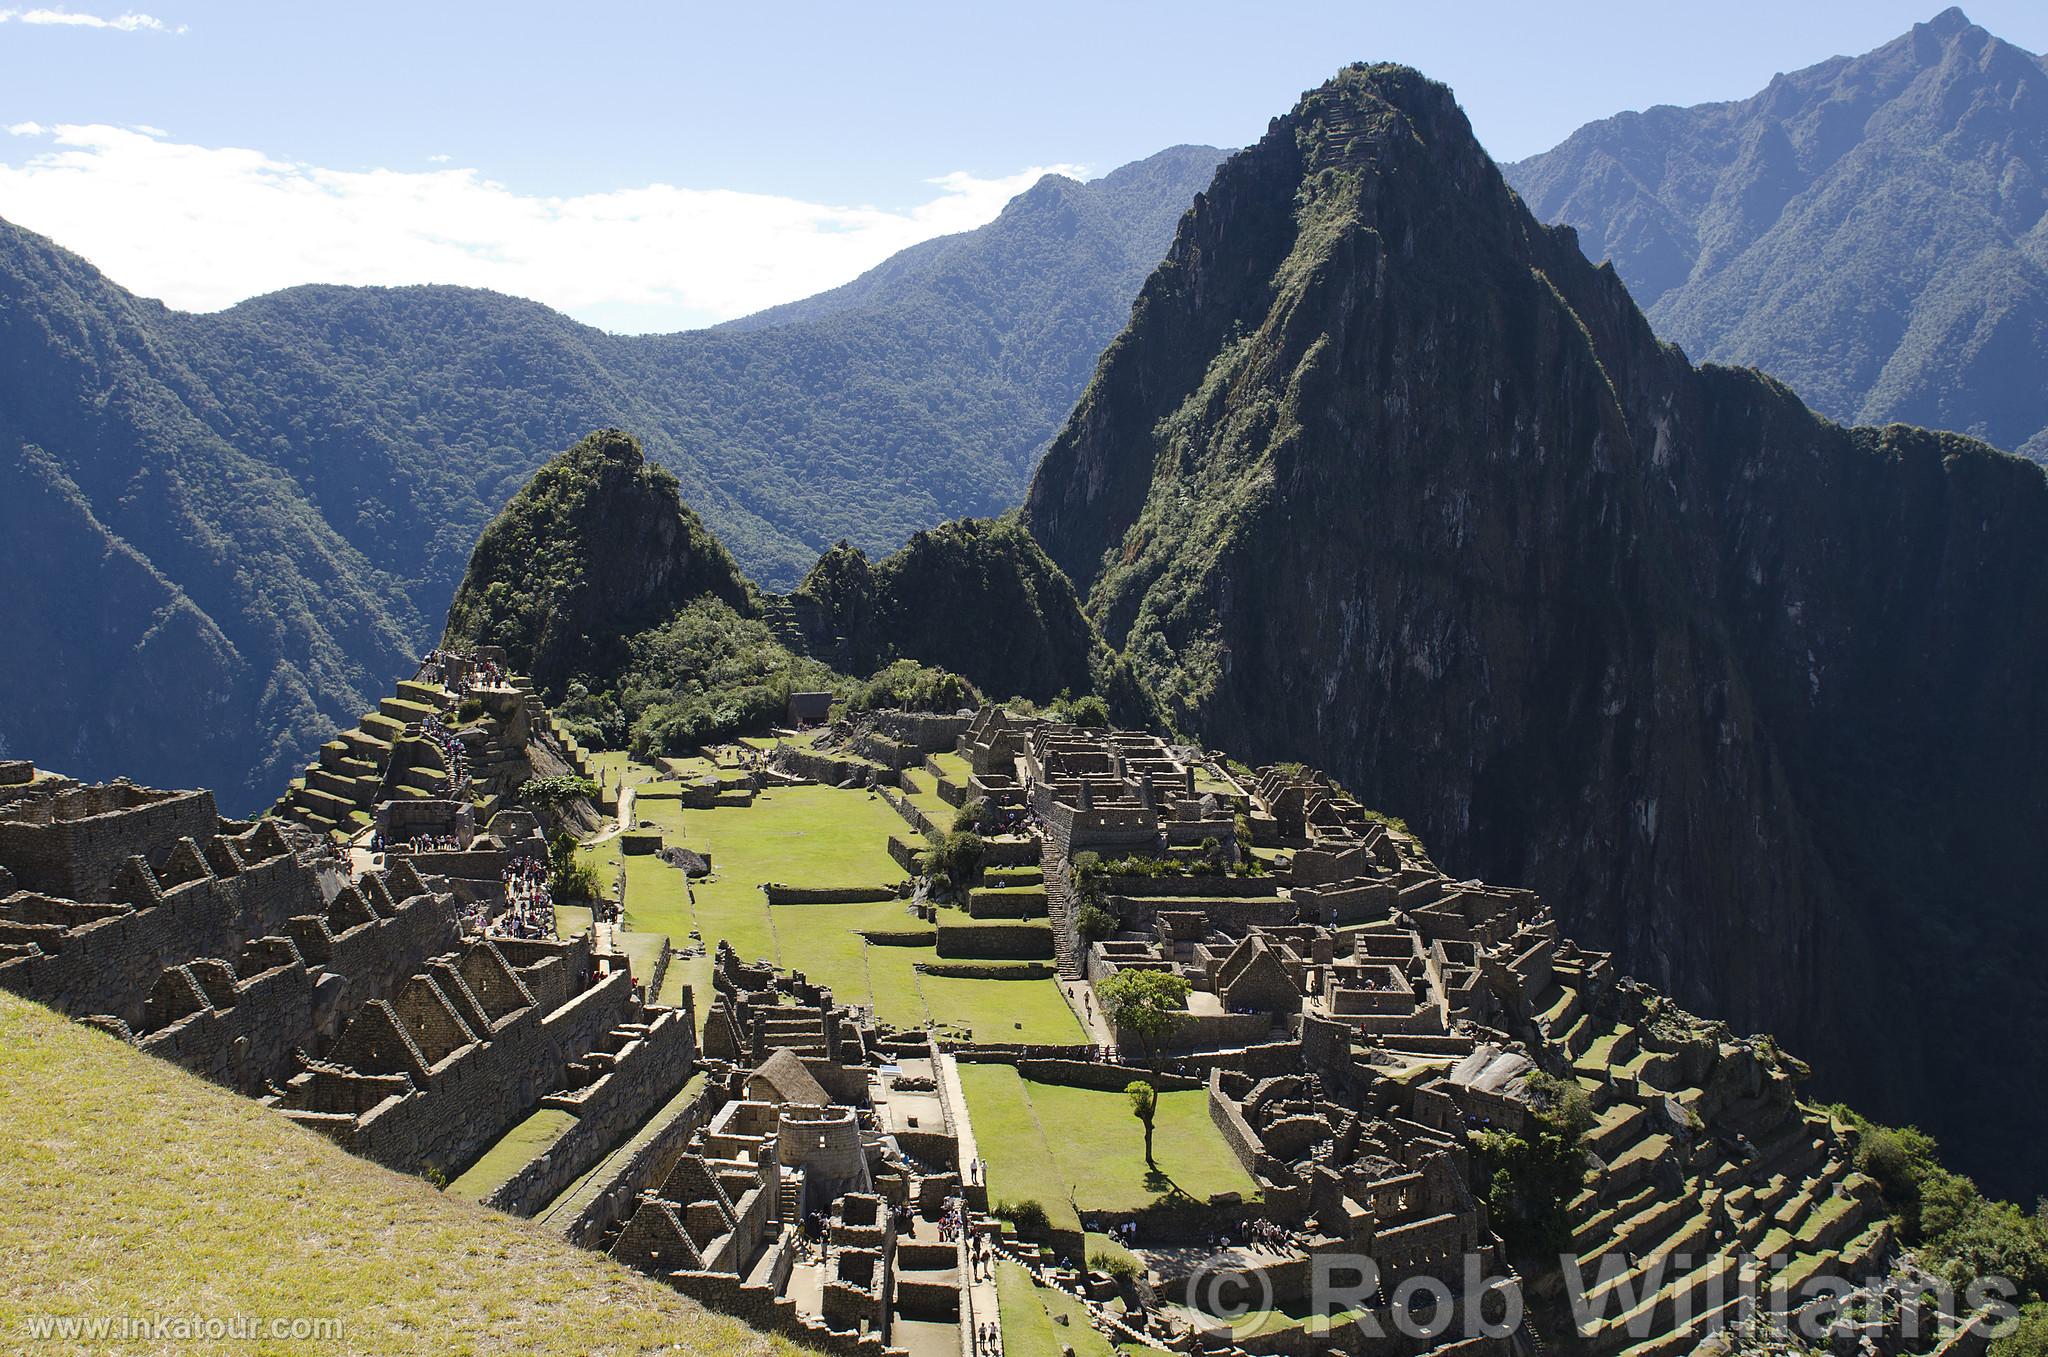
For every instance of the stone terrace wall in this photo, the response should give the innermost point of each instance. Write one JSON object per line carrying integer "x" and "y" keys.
{"x": 481, "y": 1092}
{"x": 647, "y": 1167}
{"x": 251, "y": 1042}
{"x": 109, "y": 965}
{"x": 646, "y": 1075}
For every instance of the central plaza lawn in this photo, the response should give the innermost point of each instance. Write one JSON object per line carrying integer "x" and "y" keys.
{"x": 1077, "y": 1148}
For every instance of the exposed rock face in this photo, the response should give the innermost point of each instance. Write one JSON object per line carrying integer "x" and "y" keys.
{"x": 1384, "y": 475}
{"x": 1874, "y": 230}
{"x": 596, "y": 548}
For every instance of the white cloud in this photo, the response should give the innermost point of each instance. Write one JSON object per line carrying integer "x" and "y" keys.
{"x": 26, "y": 129}
{"x": 205, "y": 227}
{"x": 129, "y": 22}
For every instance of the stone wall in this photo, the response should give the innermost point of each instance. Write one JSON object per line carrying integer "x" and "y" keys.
{"x": 643, "y": 1076}
{"x": 105, "y": 959}
{"x": 480, "y": 1091}
{"x": 997, "y": 941}
{"x": 72, "y": 843}
{"x": 646, "y": 1167}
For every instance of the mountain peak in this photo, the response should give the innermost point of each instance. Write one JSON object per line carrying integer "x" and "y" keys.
{"x": 1949, "y": 22}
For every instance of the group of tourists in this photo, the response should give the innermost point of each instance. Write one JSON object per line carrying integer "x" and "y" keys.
{"x": 458, "y": 673}
{"x": 418, "y": 843}
{"x": 1125, "y": 1234}
{"x": 1265, "y": 1234}
{"x": 529, "y": 910}
{"x": 452, "y": 753}
{"x": 988, "y": 1339}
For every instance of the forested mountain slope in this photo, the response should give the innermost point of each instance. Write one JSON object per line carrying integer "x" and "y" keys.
{"x": 1873, "y": 230}
{"x": 286, "y": 492}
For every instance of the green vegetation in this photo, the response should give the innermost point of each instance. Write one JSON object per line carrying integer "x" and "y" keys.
{"x": 553, "y": 793}
{"x": 1956, "y": 1229}
{"x": 909, "y": 686}
{"x": 1147, "y": 1004}
{"x": 404, "y": 1268}
{"x": 571, "y": 878}
{"x": 1026, "y": 1310}
{"x": 953, "y": 862}
{"x": 514, "y": 1150}
{"x": 1145, "y": 1107}
{"x": 1537, "y": 1171}
{"x": 596, "y": 548}
{"x": 1076, "y": 1149}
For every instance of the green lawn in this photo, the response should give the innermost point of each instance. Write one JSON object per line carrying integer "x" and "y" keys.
{"x": 643, "y": 952}
{"x": 615, "y": 764}
{"x": 955, "y": 767}
{"x": 1049, "y": 1143}
{"x": 894, "y": 985}
{"x": 1020, "y": 1166}
{"x": 514, "y": 1150}
{"x": 825, "y": 943}
{"x": 1003, "y": 1010}
{"x": 924, "y": 794}
{"x": 1026, "y": 1310}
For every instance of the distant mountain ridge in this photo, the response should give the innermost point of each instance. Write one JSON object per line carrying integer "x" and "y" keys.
{"x": 285, "y": 494}
{"x": 1873, "y": 230}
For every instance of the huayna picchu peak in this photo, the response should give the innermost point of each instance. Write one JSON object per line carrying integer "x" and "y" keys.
{"x": 1385, "y": 475}
{"x": 1439, "y": 826}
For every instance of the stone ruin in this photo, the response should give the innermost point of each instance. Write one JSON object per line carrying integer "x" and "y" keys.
{"x": 1356, "y": 1017}
{"x": 808, "y": 1198}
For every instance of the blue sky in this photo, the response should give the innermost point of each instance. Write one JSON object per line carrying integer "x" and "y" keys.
{"x": 654, "y": 167}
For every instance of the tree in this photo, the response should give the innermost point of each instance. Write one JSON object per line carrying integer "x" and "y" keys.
{"x": 1144, "y": 1103}
{"x": 1147, "y": 1004}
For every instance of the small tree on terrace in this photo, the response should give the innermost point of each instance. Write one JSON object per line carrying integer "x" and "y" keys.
{"x": 1147, "y": 1004}
{"x": 1144, "y": 1102}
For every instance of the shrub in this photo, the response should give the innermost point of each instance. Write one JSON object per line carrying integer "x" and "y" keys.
{"x": 954, "y": 861}
{"x": 471, "y": 709}
{"x": 1121, "y": 1266}
{"x": 1537, "y": 1172}
{"x": 970, "y": 815}
{"x": 911, "y": 686}
{"x": 553, "y": 793}
{"x": 1092, "y": 922}
{"x": 568, "y": 879}
{"x": 1028, "y": 1216}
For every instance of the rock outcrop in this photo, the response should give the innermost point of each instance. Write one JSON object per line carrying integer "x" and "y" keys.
{"x": 1383, "y": 472}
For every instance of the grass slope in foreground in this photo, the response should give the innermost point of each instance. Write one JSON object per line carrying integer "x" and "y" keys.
{"x": 128, "y": 1187}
